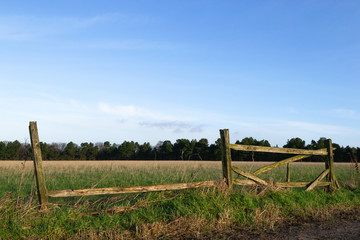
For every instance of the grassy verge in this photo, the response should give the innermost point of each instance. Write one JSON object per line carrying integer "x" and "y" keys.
{"x": 184, "y": 214}
{"x": 197, "y": 213}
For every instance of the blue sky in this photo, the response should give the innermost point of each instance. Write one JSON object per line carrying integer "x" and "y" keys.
{"x": 156, "y": 70}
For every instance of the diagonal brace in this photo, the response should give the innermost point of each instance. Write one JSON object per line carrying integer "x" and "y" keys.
{"x": 278, "y": 164}
{"x": 317, "y": 180}
{"x": 249, "y": 175}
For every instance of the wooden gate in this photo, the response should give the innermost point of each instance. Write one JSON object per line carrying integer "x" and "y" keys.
{"x": 253, "y": 179}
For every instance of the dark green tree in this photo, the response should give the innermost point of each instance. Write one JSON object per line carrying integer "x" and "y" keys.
{"x": 183, "y": 148}
{"x": 113, "y": 152}
{"x": 55, "y": 151}
{"x": 201, "y": 149}
{"x": 13, "y": 150}
{"x": 25, "y": 152}
{"x": 248, "y": 141}
{"x": 215, "y": 150}
{"x": 317, "y": 144}
{"x": 128, "y": 150}
{"x": 44, "y": 150}
{"x": 295, "y": 143}
{"x": 103, "y": 153}
{"x": 88, "y": 151}
{"x": 314, "y": 145}
{"x": 145, "y": 152}
{"x": 2, "y": 151}
{"x": 165, "y": 151}
{"x": 70, "y": 151}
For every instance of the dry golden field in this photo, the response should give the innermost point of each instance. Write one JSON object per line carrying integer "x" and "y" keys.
{"x": 141, "y": 164}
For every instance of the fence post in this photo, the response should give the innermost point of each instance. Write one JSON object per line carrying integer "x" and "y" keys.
{"x": 288, "y": 172}
{"x": 39, "y": 171}
{"x": 329, "y": 164}
{"x": 226, "y": 158}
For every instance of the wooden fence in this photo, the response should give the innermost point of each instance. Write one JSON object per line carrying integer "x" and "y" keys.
{"x": 227, "y": 168}
{"x": 44, "y": 194}
{"x": 253, "y": 179}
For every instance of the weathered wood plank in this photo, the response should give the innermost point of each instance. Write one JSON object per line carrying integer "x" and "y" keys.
{"x": 329, "y": 164}
{"x": 249, "y": 175}
{"x": 244, "y": 182}
{"x": 280, "y": 163}
{"x": 38, "y": 167}
{"x": 136, "y": 189}
{"x": 317, "y": 180}
{"x": 250, "y": 148}
{"x": 226, "y": 157}
{"x": 279, "y": 184}
{"x": 299, "y": 184}
{"x": 288, "y": 172}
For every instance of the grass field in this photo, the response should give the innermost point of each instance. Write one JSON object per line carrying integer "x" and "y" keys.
{"x": 86, "y": 174}
{"x": 194, "y": 213}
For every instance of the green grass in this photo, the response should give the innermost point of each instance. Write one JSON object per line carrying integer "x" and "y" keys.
{"x": 192, "y": 213}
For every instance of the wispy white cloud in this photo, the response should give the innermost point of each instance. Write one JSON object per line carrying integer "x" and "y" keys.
{"x": 122, "y": 111}
{"x": 300, "y": 127}
{"x": 17, "y": 28}
{"x": 346, "y": 113}
{"x": 175, "y": 126}
{"x": 316, "y": 128}
{"x": 149, "y": 118}
{"x": 136, "y": 44}
{"x": 131, "y": 111}
{"x": 23, "y": 27}
{"x": 48, "y": 107}
{"x": 85, "y": 22}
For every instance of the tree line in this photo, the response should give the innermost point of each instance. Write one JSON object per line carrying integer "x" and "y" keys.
{"x": 181, "y": 149}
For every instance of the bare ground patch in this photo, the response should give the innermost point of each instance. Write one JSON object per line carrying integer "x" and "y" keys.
{"x": 342, "y": 223}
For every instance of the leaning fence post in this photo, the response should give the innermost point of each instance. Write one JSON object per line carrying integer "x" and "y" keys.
{"x": 329, "y": 164}
{"x": 39, "y": 171}
{"x": 226, "y": 158}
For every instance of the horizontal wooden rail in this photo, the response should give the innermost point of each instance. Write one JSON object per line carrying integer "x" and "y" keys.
{"x": 280, "y": 184}
{"x": 299, "y": 184}
{"x": 244, "y": 182}
{"x": 136, "y": 189}
{"x": 249, "y": 148}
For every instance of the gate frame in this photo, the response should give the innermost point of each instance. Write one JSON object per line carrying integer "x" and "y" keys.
{"x": 253, "y": 179}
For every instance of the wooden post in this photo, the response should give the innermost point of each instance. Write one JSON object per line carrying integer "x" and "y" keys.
{"x": 288, "y": 172}
{"x": 329, "y": 164}
{"x": 39, "y": 171}
{"x": 226, "y": 158}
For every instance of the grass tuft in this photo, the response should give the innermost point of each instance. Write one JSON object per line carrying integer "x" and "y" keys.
{"x": 189, "y": 214}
